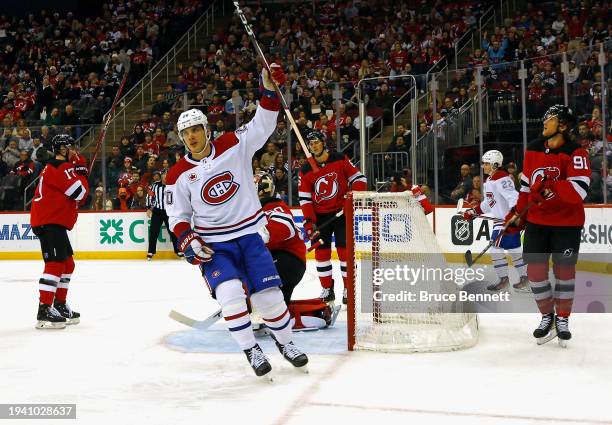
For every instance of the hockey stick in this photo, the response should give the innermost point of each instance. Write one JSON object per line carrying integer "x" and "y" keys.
{"x": 468, "y": 254}
{"x": 197, "y": 324}
{"x": 316, "y": 234}
{"x": 102, "y": 134}
{"x": 298, "y": 134}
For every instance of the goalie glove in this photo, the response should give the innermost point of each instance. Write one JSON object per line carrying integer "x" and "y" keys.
{"x": 267, "y": 80}
{"x": 193, "y": 247}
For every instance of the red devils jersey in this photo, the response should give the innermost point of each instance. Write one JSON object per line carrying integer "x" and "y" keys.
{"x": 324, "y": 191}
{"x": 284, "y": 234}
{"x": 564, "y": 205}
{"x": 57, "y": 195}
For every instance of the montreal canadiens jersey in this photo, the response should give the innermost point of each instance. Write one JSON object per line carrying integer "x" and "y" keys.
{"x": 57, "y": 196}
{"x": 217, "y": 194}
{"x": 284, "y": 234}
{"x": 324, "y": 191}
{"x": 570, "y": 164}
{"x": 500, "y": 196}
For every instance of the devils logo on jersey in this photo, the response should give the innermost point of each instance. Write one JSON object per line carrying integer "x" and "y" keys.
{"x": 326, "y": 187}
{"x": 219, "y": 189}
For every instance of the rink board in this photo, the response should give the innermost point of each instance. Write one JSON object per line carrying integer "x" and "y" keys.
{"x": 124, "y": 235}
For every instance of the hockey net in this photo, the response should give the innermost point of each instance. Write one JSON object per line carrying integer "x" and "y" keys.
{"x": 389, "y": 231}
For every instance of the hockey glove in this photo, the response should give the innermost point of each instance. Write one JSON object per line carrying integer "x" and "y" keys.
{"x": 267, "y": 80}
{"x": 542, "y": 189}
{"x": 517, "y": 224}
{"x": 193, "y": 247}
{"x": 311, "y": 229}
{"x": 80, "y": 165}
{"x": 470, "y": 214}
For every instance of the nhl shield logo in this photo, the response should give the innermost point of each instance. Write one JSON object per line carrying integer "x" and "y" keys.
{"x": 462, "y": 231}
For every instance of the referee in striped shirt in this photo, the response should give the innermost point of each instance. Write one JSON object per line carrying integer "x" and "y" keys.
{"x": 157, "y": 213}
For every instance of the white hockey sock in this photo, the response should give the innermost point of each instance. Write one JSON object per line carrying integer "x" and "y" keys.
{"x": 500, "y": 264}
{"x": 517, "y": 261}
{"x": 232, "y": 299}
{"x": 271, "y": 305}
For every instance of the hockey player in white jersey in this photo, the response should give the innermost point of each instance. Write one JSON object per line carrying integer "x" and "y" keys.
{"x": 500, "y": 196}
{"x": 212, "y": 187}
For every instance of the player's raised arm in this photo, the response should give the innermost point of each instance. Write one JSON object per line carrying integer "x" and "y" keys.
{"x": 256, "y": 132}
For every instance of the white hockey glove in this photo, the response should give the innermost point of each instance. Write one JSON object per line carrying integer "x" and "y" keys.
{"x": 265, "y": 234}
{"x": 193, "y": 246}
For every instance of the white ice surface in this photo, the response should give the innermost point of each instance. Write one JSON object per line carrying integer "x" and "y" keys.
{"x": 128, "y": 363}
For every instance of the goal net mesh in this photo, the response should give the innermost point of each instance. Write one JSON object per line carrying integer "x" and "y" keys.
{"x": 389, "y": 239}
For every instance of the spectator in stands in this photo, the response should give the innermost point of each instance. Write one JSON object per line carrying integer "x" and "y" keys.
{"x": 465, "y": 183}
{"x": 24, "y": 141}
{"x": 140, "y": 159}
{"x": 139, "y": 200}
{"x": 45, "y": 136}
{"x": 268, "y": 157}
{"x": 279, "y": 135}
{"x": 585, "y": 137}
{"x": 513, "y": 173}
{"x": 121, "y": 202}
{"x": 36, "y": 146}
{"x": 349, "y": 133}
{"x": 281, "y": 183}
{"x": 126, "y": 148}
{"x": 24, "y": 167}
{"x": 54, "y": 118}
{"x": 218, "y": 130}
{"x": 97, "y": 201}
{"x": 71, "y": 118}
{"x": 138, "y": 136}
{"x": 161, "y": 107}
{"x": 150, "y": 146}
{"x": 172, "y": 141}
{"x": 10, "y": 155}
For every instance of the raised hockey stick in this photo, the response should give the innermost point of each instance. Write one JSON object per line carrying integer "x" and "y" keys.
{"x": 315, "y": 236}
{"x": 251, "y": 34}
{"x": 102, "y": 134}
{"x": 468, "y": 254}
{"x": 197, "y": 324}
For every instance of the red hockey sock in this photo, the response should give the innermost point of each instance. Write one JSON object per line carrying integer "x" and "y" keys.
{"x": 324, "y": 266}
{"x": 541, "y": 288}
{"x": 564, "y": 288}
{"x": 62, "y": 287}
{"x": 47, "y": 285}
{"x": 342, "y": 257}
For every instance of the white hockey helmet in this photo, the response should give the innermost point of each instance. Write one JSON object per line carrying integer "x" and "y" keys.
{"x": 189, "y": 119}
{"x": 493, "y": 157}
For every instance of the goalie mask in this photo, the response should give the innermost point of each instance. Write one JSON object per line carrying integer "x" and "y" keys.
{"x": 265, "y": 184}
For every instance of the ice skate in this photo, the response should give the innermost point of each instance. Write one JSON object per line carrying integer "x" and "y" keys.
{"x": 49, "y": 318}
{"x": 500, "y": 285}
{"x": 72, "y": 317}
{"x": 258, "y": 360}
{"x": 545, "y": 331}
{"x": 327, "y": 295}
{"x": 563, "y": 332}
{"x": 149, "y": 257}
{"x": 522, "y": 285}
{"x": 293, "y": 355}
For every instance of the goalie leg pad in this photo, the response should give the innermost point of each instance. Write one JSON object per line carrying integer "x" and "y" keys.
{"x": 301, "y": 310}
{"x": 232, "y": 299}
{"x": 271, "y": 305}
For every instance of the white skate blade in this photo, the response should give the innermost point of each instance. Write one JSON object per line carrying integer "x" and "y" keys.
{"x": 522, "y": 290}
{"x": 562, "y": 343}
{"x": 551, "y": 335}
{"x": 335, "y": 312}
{"x": 303, "y": 369}
{"x": 43, "y": 324}
{"x": 74, "y": 321}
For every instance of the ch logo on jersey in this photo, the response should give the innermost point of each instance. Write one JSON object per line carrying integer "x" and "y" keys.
{"x": 326, "y": 187}
{"x": 220, "y": 188}
{"x": 490, "y": 199}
